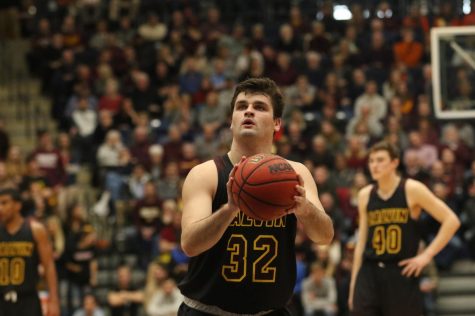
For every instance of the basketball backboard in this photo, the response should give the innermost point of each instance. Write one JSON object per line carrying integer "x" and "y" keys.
{"x": 453, "y": 72}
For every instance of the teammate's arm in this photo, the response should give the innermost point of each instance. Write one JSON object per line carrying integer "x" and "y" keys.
{"x": 420, "y": 196}
{"x": 309, "y": 210}
{"x": 201, "y": 228}
{"x": 363, "y": 197}
{"x": 45, "y": 252}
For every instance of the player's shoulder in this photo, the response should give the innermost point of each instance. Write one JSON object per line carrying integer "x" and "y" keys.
{"x": 365, "y": 191}
{"x": 37, "y": 228}
{"x": 203, "y": 168}
{"x": 414, "y": 187}
{"x": 298, "y": 166}
{"x": 203, "y": 172}
{"x": 414, "y": 184}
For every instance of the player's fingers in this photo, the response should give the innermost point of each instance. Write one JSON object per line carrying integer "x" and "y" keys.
{"x": 300, "y": 190}
{"x": 407, "y": 270}
{"x": 299, "y": 177}
{"x": 403, "y": 262}
{"x": 418, "y": 271}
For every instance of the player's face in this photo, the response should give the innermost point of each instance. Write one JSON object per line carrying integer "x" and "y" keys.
{"x": 381, "y": 164}
{"x": 8, "y": 208}
{"x": 253, "y": 114}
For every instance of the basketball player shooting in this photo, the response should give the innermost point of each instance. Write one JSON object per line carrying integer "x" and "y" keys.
{"x": 387, "y": 264}
{"x": 240, "y": 265}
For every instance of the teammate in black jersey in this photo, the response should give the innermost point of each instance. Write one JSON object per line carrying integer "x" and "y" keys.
{"x": 240, "y": 265}
{"x": 387, "y": 263}
{"x": 23, "y": 245}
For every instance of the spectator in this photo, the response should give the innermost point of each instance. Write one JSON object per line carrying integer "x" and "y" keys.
{"x": 89, "y": 307}
{"x": 319, "y": 293}
{"x": 165, "y": 301}
{"x": 152, "y": 30}
{"x": 427, "y": 153}
{"x": 125, "y": 299}
{"x": 49, "y": 159}
{"x": 408, "y": 51}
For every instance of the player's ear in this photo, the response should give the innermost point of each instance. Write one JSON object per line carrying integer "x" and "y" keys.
{"x": 277, "y": 124}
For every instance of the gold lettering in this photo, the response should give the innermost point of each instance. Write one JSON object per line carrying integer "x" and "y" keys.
{"x": 388, "y": 216}
{"x": 242, "y": 220}
{"x": 16, "y": 249}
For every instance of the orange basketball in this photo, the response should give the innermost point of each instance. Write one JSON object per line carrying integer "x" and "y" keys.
{"x": 264, "y": 186}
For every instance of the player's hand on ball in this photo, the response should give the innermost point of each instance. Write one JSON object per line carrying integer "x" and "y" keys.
{"x": 229, "y": 185}
{"x": 301, "y": 207}
{"x": 414, "y": 266}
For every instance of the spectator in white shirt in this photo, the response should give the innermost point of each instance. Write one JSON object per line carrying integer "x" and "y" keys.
{"x": 370, "y": 98}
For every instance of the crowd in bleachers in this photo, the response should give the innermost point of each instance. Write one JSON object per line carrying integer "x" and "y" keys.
{"x": 140, "y": 91}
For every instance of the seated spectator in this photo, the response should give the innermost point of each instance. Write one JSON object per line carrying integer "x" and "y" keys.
{"x": 157, "y": 274}
{"x": 320, "y": 153}
{"x": 408, "y": 51}
{"x": 153, "y": 29}
{"x": 111, "y": 99}
{"x": 125, "y": 298}
{"x": 169, "y": 185}
{"x": 108, "y": 154}
{"x": 375, "y": 103}
{"x": 319, "y": 293}
{"x": 427, "y": 153}
{"x": 89, "y": 307}
{"x": 49, "y": 159}
{"x": 165, "y": 301}
{"x": 189, "y": 158}
{"x": 155, "y": 152}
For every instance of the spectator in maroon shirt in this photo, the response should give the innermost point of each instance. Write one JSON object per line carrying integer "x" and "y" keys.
{"x": 140, "y": 146}
{"x": 49, "y": 159}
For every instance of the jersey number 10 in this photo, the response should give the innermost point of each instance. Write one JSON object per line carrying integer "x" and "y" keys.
{"x": 12, "y": 272}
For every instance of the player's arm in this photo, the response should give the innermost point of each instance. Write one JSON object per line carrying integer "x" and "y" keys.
{"x": 309, "y": 210}
{"x": 45, "y": 252}
{"x": 363, "y": 197}
{"x": 420, "y": 196}
{"x": 201, "y": 228}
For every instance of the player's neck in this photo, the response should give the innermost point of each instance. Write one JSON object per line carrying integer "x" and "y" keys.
{"x": 249, "y": 149}
{"x": 14, "y": 225}
{"x": 388, "y": 184}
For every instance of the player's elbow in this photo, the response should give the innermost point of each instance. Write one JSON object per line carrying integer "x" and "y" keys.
{"x": 188, "y": 248}
{"x": 455, "y": 222}
{"x": 327, "y": 237}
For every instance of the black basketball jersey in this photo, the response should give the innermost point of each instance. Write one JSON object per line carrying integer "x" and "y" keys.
{"x": 18, "y": 260}
{"x": 251, "y": 268}
{"x": 392, "y": 234}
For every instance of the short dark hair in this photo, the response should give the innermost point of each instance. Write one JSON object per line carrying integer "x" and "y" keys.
{"x": 265, "y": 86}
{"x": 392, "y": 150}
{"x": 13, "y": 193}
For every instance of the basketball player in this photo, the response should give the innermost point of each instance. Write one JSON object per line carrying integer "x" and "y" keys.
{"x": 386, "y": 263}
{"x": 23, "y": 245}
{"x": 239, "y": 265}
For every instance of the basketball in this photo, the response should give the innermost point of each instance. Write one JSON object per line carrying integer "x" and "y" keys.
{"x": 264, "y": 186}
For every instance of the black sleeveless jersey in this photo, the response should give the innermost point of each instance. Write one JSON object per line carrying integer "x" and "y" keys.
{"x": 392, "y": 234}
{"x": 18, "y": 260}
{"x": 251, "y": 268}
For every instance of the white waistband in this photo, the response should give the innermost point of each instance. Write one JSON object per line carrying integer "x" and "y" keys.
{"x": 215, "y": 310}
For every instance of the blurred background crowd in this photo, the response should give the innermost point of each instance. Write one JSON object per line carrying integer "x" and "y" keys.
{"x": 140, "y": 92}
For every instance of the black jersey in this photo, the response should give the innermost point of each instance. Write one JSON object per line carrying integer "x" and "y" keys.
{"x": 18, "y": 260}
{"x": 251, "y": 268}
{"x": 392, "y": 234}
